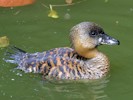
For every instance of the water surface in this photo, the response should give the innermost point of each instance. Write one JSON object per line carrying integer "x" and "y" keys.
{"x": 30, "y": 29}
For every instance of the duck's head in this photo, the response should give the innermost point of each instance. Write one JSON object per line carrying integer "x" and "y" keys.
{"x": 87, "y": 36}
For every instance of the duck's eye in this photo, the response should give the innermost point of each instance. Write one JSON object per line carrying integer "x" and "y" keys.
{"x": 93, "y": 33}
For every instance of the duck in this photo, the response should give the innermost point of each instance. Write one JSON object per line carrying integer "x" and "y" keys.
{"x": 82, "y": 60}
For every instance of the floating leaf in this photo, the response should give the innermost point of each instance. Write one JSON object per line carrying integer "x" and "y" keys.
{"x": 52, "y": 13}
{"x": 4, "y": 41}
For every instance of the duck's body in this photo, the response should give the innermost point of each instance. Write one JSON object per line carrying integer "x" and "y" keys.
{"x": 63, "y": 63}
{"x": 82, "y": 61}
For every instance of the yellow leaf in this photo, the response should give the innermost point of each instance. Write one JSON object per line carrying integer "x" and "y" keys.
{"x": 52, "y": 13}
{"x": 4, "y": 41}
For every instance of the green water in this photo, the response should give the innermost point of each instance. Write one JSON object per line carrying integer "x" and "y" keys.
{"x": 29, "y": 28}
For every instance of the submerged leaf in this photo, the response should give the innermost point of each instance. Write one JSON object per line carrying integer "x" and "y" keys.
{"x": 106, "y": 1}
{"x": 52, "y": 13}
{"x": 4, "y": 41}
{"x": 69, "y": 1}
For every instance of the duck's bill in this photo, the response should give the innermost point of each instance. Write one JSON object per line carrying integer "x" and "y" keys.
{"x": 106, "y": 39}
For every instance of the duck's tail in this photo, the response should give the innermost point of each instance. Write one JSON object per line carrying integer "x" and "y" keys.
{"x": 14, "y": 55}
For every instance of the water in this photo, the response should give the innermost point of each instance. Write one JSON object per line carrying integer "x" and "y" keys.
{"x": 30, "y": 29}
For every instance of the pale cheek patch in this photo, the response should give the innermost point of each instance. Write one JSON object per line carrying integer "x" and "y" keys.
{"x": 83, "y": 39}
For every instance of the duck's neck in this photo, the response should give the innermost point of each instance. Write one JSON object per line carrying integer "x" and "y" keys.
{"x": 85, "y": 52}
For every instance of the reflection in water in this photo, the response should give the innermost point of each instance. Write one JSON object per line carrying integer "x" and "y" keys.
{"x": 81, "y": 90}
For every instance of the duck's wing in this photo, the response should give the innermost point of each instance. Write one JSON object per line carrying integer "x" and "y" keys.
{"x": 59, "y": 63}
{"x": 62, "y": 68}
{"x": 54, "y": 66}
